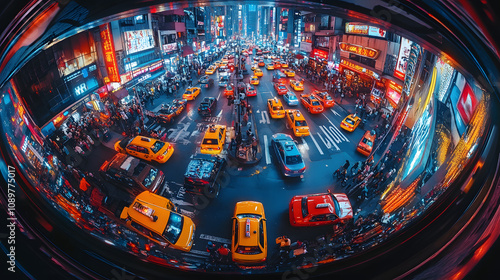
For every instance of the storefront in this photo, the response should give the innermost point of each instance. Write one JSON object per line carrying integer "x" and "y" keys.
{"x": 360, "y": 79}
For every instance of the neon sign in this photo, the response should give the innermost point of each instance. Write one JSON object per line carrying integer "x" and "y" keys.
{"x": 359, "y": 50}
{"x": 109, "y": 53}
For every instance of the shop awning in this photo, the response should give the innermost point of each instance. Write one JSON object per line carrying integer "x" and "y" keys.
{"x": 119, "y": 94}
{"x": 187, "y": 50}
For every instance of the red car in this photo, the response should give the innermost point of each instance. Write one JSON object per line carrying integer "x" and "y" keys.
{"x": 312, "y": 104}
{"x": 319, "y": 209}
{"x": 280, "y": 88}
{"x": 229, "y": 90}
{"x": 251, "y": 91}
{"x": 325, "y": 98}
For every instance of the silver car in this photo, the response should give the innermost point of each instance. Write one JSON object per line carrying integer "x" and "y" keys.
{"x": 288, "y": 155}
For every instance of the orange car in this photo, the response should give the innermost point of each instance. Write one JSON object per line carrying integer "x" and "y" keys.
{"x": 261, "y": 63}
{"x": 229, "y": 90}
{"x": 365, "y": 145}
{"x": 312, "y": 104}
{"x": 325, "y": 98}
{"x": 319, "y": 209}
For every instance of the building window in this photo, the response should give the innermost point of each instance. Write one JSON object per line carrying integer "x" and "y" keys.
{"x": 363, "y": 60}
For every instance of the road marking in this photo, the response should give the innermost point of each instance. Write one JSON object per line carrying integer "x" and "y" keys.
{"x": 187, "y": 213}
{"x": 218, "y": 96}
{"x": 305, "y": 144}
{"x": 327, "y": 143}
{"x": 184, "y": 129}
{"x": 325, "y": 131}
{"x": 338, "y": 132}
{"x": 197, "y": 254}
{"x": 180, "y": 202}
{"x": 334, "y": 136}
{"x": 215, "y": 238}
{"x": 265, "y": 117}
{"x": 181, "y": 192}
{"x": 219, "y": 114}
{"x": 266, "y": 148}
{"x": 180, "y": 122}
{"x": 335, "y": 112}
{"x": 316, "y": 144}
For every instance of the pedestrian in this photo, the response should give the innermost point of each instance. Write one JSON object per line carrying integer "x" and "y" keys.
{"x": 341, "y": 97}
{"x": 224, "y": 253}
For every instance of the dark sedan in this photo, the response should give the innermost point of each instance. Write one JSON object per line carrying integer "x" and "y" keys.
{"x": 206, "y": 82}
{"x": 207, "y": 106}
{"x": 132, "y": 174}
{"x": 288, "y": 155}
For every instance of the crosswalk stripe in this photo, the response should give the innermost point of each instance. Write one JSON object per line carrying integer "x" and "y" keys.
{"x": 341, "y": 135}
{"x": 325, "y": 131}
{"x": 316, "y": 144}
{"x": 215, "y": 238}
{"x": 305, "y": 144}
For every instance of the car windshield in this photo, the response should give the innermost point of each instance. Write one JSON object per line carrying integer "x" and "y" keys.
{"x": 303, "y": 203}
{"x": 124, "y": 143}
{"x": 315, "y": 103}
{"x": 276, "y": 108}
{"x": 157, "y": 146}
{"x": 293, "y": 159}
{"x": 138, "y": 169}
{"x": 337, "y": 205}
{"x": 150, "y": 178}
{"x": 210, "y": 141}
{"x": 253, "y": 216}
{"x": 174, "y": 227}
{"x": 349, "y": 121}
{"x": 368, "y": 142}
{"x": 300, "y": 123}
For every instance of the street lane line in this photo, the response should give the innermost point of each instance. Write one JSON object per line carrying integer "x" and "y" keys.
{"x": 180, "y": 202}
{"x": 305, "y": 144}
{"x": 196, "y": 253}
{"x": 220, "y": 113}
{"x": 333, "y": 134}
{"x": 339, "y": 132}
{"x": 316, "y": 144}
{"x": 265, "y": 117}
{"x": 335, "y": 112}
{"x": 325, "y": 131}
{"x": 215, "y": 238}
{"x": 184, "y": 129}
{"x": 180, "y": 122}
{"x": 218, "y": 96}
{"x": 266, "y": 148}
{"x": 326, "y": 142}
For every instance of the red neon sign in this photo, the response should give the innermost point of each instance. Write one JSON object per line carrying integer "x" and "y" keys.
{"x": 320, "y": 53}
{"x": 467, "y": 103}
{"x": 108, "y": 48}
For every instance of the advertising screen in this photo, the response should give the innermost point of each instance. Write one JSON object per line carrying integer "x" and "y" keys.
{"x": 108, "y": 48}
{"x": 404, "y": 53}
{"x": 139, "y": 40}
{"x": 363, "y": 29}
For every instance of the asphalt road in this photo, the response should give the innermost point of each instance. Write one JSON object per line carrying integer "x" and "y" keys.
{"x": 323, "y": 151}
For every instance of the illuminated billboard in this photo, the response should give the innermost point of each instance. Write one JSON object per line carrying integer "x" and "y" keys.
{"x": 363, "y": 29}
{"x": 139, "y": 40}
{"x": 359, "y": 50}
{"x": 404, "y": 54}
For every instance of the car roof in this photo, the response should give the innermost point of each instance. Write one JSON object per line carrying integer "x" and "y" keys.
{"x": 275, "y": 101}
{"x": 143, "y": 141}
{"x": 213, "y": 130}
{"x": 155, "y": 202}
{"x": 124, "y": 162}
{"x": 320, "y": 204}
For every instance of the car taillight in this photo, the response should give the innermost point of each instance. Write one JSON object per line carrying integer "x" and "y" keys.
{"x": 160, "y": 157}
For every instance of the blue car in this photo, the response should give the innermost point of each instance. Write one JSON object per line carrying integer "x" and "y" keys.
{"x": 288, "y": 155}
{"x": 291, "y": 99}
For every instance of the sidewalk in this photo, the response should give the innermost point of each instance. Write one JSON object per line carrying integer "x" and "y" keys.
{"x": 242, "y": 154}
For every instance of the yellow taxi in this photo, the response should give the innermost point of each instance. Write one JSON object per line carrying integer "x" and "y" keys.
{"x": 214, "y": 139}
{"x": 296, "y": 121}
{"x": 297, "y": 85}
{"x": 249, "y": 241}
{"x": 211, "y": 69}
{"x": 155, "y": 218}
{"x": 365, "y": 145}
{"x": 275, "y": 108}
{"x": 257, "y": 72}
{"x": 254, "y": 80}
{"x": 217, "y": 64}
{"x": 270, "y": 66}
{"x": 146, "y": 148}
{"x": 350, "y": 122}
{"x": 284, "y": 64}
{"x": 254, "y": 67}
{"x": 289, "y": 73}
{"x": 191, "y": 93}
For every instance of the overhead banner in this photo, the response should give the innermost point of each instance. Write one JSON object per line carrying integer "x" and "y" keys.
{"x": 108, "y": 49}
{"x": 363, "y": 29}
{"x": 359, "y": 50}
{"x": 139, "y": 40}
{"x": 404, "y": 53}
